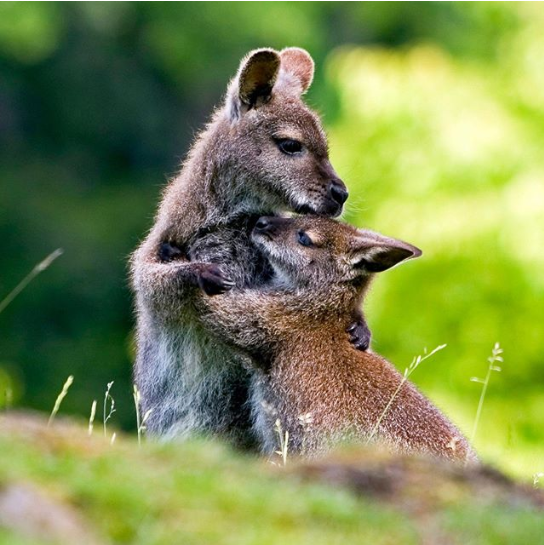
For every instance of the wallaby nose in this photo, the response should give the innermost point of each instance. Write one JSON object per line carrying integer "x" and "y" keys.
{"x": 266, "y": 226}
{"x": 262, "y": 224}
{"x": 338, "y": 191}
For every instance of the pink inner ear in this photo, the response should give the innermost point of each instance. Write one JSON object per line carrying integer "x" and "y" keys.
{"x": 258, "y": 74}
{"x": 298, "y": 63}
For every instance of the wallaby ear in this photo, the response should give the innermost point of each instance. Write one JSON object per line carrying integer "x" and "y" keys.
{"x": 297, "y": 67}
{"x": 253, "y": 84}
{"x": 373, "y": 253}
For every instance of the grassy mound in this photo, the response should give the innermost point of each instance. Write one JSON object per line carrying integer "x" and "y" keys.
{"x": 58, "y": 485}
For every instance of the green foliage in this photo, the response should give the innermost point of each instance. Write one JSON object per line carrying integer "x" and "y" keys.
{"x": 199, "y": 493}
{"x": 202, "y": 493}
{"x": 442, "y": 152}
{"x": 435, "y": 113}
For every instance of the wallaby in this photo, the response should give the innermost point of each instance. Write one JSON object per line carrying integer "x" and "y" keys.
{"x": 313, "y": 381}
{"x": 263, "y": 152}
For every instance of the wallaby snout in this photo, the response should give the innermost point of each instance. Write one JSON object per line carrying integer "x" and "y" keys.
{"x": 268, "y": 226}
{"x": 332, "y": 202}
{"x": 338, "y": 192}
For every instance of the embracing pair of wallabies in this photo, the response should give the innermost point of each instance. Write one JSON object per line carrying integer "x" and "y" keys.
{"x": 246, "y": 317}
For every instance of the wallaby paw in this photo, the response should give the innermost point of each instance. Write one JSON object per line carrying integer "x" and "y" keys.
{"x": 359, "y": 335}
{"x": 212, "y": 281}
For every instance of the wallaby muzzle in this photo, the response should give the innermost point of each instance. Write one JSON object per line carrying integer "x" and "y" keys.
{"x": 336, "y": 194}
{"x": 268, "y": 226}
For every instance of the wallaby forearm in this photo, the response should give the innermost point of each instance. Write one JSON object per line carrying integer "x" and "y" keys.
{"x": 164, "y": 284}
{"x": 253, "y": 319}
{"x": 244, "y": 318}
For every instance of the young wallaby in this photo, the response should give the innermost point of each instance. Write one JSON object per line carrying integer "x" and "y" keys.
{"x": 263, "y": 152}
{"x": 314, "y": 382}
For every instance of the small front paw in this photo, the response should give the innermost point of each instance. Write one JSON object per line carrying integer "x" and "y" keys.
{"x": 359, "y": 335}
{"x": 212, "y": 281}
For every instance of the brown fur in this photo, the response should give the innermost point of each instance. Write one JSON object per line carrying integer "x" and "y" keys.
{"x": 235, "y": 172}
{"x": 320, "y": 388}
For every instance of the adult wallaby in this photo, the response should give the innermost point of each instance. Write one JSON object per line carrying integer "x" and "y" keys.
{"x": 320, "y": 388}
{"x": 263, "y": 152}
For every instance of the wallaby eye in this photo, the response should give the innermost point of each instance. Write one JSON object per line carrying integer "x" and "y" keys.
{"x": 288, "y": 146}
{"x": 304, "y": 239}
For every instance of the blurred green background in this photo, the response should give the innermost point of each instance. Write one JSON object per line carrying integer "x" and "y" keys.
{"x": 435, "y": 113}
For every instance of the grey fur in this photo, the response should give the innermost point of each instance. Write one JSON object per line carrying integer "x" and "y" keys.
{"x": 192, "y": 382}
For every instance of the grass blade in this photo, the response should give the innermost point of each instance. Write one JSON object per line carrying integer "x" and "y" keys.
{"x": 495, "y": 357}
{"x": 41, "y": 266}
{"x": 59, "y": 399}
{"x": 407, "y": 372}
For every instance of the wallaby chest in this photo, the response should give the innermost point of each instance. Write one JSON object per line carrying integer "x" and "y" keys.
{"x": 231, "y": 247}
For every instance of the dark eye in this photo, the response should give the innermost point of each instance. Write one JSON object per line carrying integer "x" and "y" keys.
{"x": 304, "y": 239}
{"x": 288, "y": 146}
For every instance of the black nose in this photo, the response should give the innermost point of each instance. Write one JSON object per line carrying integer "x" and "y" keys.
{"x": 338, "y": 191}
{"x": 262, "y": 224}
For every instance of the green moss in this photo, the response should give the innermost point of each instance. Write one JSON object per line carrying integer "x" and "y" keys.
{"x": 200, "y": 493}
{"x": 494, "y": 526}
{"x": 194, "y": 493}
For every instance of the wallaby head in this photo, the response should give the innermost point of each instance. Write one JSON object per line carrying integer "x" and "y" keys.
{"x": 319, "y": 251}
{"x": 275, "y": 143}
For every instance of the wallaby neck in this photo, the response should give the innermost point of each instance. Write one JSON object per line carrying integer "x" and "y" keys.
{"x": 218, "y": 188}
{"x": 320, "y": 314}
